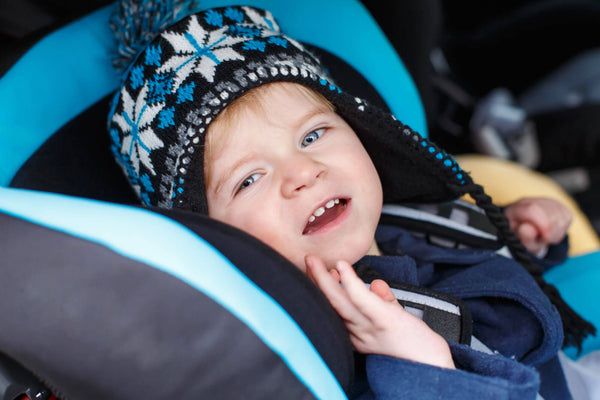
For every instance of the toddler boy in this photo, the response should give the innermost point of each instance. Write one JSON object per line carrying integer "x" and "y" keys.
{"x": 223, "y": 115}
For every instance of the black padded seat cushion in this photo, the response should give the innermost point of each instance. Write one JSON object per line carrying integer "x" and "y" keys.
{"x": 76, "y": 161}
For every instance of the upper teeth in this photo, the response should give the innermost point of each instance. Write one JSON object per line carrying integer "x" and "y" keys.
{"x": 321, "y": 210}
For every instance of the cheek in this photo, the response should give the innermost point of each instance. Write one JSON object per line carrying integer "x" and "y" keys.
{"x": 260, "y": 228}
{"x": 242, "y": 219}
{"x": 366, "y": 176}
{"x": 361, "y": 167}
{"x": 260, "y": 218}
{"x": 269, "y": 230}
{"x": 254, "y": 222}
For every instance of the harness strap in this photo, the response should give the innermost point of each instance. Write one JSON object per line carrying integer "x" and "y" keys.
{"x": 446, "y": 315}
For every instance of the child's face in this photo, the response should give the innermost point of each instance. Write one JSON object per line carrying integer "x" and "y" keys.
{"x": 296, "y": 176}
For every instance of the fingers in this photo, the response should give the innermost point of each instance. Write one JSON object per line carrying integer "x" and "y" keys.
{"x": 352, "y": 300}
{"x": 373, "y": 303}
{"x": 382, "y": 289}
{"x": 562, "y": 219}
{"x": 530, "y": 238}
{"x": 335, "y": 275}
{"x": 375, "y": 321}
{"x": 548, "y": 217}
{"x": 527, "y": 211}
{"x": 349, "y": 279}
{"x": 326, "y": 281}
{"x": 329, "y": 283}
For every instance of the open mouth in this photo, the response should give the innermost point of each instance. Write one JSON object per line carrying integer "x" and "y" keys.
{"x": 324, "y": 215}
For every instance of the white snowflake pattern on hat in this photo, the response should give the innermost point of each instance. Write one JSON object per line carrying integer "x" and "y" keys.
{"x": 139, "y": 139}
{"x": 198, "y": 50}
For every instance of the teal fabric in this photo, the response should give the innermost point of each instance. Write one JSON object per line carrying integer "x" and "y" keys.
{"x": 62, "y": 75}
{"x": 70, "y": 70}
{"x": 163, "y": 244}
{"x": 578, "y": 280}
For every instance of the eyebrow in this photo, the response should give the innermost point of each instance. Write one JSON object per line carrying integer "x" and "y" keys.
{"x": 316, "y": 111}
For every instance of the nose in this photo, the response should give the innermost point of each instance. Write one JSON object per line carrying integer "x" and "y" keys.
{"x": 299, "y": 173}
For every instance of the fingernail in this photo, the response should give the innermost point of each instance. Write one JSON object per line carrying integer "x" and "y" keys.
{"x": 308, "y": 260}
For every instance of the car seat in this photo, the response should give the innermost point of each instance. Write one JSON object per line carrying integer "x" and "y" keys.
{"x": 105, "y": 299}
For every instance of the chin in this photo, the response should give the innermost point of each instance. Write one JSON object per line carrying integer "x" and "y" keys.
{"x": 350, "y": 258}
{"x": 350, "y": 252}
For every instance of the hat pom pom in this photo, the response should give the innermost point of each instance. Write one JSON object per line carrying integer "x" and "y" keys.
{"x": 135, "y": 23}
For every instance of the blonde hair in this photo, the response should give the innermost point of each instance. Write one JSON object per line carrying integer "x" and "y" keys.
{"x": 252, "y": 101}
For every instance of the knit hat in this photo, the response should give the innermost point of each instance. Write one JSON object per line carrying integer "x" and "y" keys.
{"x": 188, "y": 70}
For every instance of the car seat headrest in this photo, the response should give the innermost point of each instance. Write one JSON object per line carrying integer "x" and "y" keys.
{"x": 76, "y": 160}
{"x": 85, "y": 76}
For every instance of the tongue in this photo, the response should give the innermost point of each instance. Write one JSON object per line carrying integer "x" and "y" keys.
{"x": 329, "y": 215}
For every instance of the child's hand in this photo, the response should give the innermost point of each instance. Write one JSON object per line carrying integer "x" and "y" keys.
{"x": 538, "y": 222}
{"x": 376, "y": 322}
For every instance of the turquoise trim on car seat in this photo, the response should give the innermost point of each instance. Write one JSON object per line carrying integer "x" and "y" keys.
{"x": 164, "y": 244}
{"x": 61, "y": 76}
{"x": 578, "y": 280}
{"x": 70, "y": 69}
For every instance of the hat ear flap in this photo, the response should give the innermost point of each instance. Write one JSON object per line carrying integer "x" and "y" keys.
{"x": 411, "y": 168}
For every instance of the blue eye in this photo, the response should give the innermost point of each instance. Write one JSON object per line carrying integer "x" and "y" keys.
{"x": 312, "y": 137}
{"x": 248, "y": 181}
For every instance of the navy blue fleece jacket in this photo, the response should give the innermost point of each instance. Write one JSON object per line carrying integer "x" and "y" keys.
{"x": 510, "y": 315}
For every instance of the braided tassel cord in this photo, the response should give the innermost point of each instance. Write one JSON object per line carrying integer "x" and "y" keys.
{"x": 576, "y": 329}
